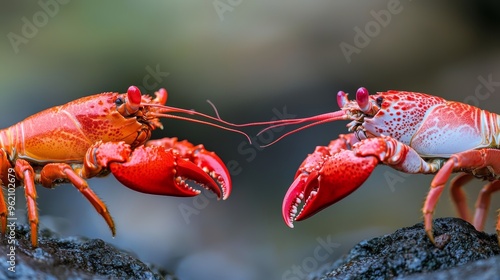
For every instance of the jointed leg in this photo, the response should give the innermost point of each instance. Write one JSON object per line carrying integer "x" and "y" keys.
{"x": 4, "y": 169}
{"x": 459, "y": 197}
{"x": 54, "y": 171}
{"x": 473, "y": 159}
{"x": 3, "y": 212}
{"x": 25, "y": 172}
{"x": 483, "y": 204}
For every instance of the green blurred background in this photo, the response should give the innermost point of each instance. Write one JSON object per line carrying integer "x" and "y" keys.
{"x": 252, "y": 59}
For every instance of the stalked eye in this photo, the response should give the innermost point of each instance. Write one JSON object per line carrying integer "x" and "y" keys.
{"x": 119, "y": 101}
{"x": 129, "y": 103}
{"x": 379, "y": 100}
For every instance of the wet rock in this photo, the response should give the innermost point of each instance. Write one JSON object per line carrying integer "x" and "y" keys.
{"x": 69, "y": 258}
{"x": 409, "y": 254}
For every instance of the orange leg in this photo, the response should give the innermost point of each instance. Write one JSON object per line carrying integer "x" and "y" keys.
{"x": 25, "y": 172}
{"x": 473, "y": 159}
{"x": 4, "y": 177}
{"x": 3, "y": 212}
{"x": 483, "y": 204}
{"x": 56, "y": 171}
{"x": 459, "y": 197}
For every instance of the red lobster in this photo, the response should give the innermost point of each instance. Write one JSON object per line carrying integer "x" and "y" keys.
{"x": 101, "y": 134}
{"x": 410, "y": 132}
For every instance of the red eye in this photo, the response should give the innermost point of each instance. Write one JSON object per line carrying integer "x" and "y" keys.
{"x": 134, "y": 96}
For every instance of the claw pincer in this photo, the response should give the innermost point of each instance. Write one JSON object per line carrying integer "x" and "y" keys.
{"x": 200, "y": 161}
{"x": 325, "y": 177}
{"x": 161, "y": 169}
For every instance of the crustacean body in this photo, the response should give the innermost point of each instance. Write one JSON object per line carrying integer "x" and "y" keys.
{"x": 408, "y": 131}
{"x": 101, "y": 134}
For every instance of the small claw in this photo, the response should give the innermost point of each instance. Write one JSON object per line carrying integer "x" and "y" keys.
{"x": 161, "y": 96}
{"x": 338, "y": 176}
{"x": 156, "y": 170}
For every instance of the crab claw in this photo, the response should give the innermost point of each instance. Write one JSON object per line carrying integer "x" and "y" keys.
{"x": 332, "y": 178}
{"x": 157, "y": 170}
{"x": 213, "y": 165}
{"x": 206, "y": 161}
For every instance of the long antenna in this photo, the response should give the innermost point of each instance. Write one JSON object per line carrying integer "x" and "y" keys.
{"x": 201, "y": 121}
{"x": 316, "y": 120}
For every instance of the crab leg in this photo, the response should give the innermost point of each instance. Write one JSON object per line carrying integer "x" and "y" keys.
{"x": 471, "y": 160}
{"x": 4, "y": 177}
{"x": 57, "y": 171}
{"x": 25, "y": 172}
{"x": 51, "y": 173}
{"x": 458, "y": 195}
{"x": 483, "y": 204}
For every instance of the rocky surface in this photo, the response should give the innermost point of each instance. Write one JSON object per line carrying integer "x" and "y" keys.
{"x": 461, "y": 253}
{"x": 69, "y": 258}
{"x": 488, "y": 269}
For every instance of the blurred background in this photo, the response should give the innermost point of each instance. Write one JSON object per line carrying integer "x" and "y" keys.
{"x": 256, "y": 60}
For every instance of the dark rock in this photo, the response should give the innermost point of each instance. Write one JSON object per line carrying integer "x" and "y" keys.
{"x": 408, "y": 251}
{"x": 488, "y": 269}
{"x": 70, "y": 258}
